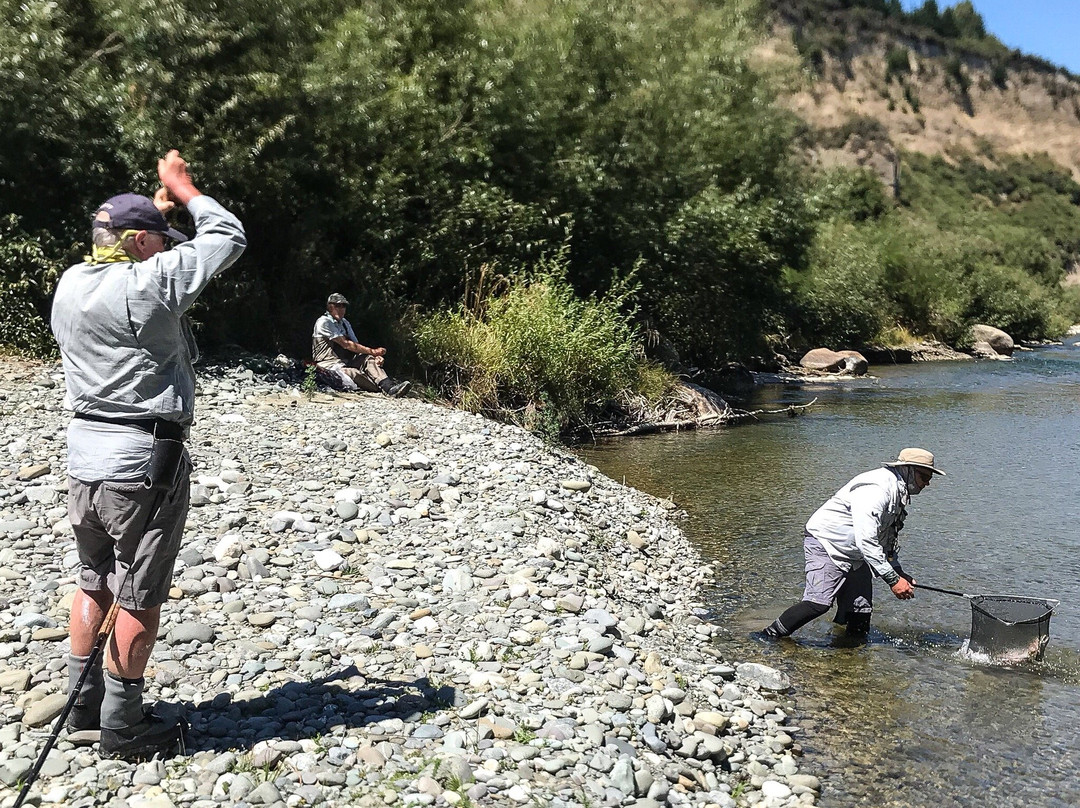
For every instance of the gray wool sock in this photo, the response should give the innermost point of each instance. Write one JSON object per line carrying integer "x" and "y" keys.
{"x": 93, "y": 689}
{"x": 122, "y": 707}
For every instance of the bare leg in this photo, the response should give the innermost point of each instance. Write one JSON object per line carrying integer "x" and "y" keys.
{"x": 87, "y": 614}
{"x": 132, "y": 641}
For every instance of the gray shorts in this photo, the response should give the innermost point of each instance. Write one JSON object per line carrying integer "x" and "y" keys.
{"x": 851, "y": 589}
{"x": 127, "y": 534}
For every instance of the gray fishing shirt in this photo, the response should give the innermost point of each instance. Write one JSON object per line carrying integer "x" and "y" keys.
{"x": 127, "y": 347}
{"x": 860, "y": 522}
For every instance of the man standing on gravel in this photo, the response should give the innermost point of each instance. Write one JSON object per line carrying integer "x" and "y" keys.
{"x": 334, "y": 347}
{"x": 853, "y": 534}
{"x": 128, "y": 350}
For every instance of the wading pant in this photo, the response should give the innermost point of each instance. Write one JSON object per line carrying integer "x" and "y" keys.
{"x": 365, "y": 372}
{"x": 852, "y": 589}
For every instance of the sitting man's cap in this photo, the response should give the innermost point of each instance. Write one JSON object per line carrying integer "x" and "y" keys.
{"x": 337, "y": 299}
{"x": 134, "y": 212}
{"x": 916, "y": 457}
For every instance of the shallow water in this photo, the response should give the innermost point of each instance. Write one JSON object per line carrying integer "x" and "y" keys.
{"x": 905, "y": 719}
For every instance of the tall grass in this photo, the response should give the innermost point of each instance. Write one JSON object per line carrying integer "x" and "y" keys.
{"x": 529, "y": 350}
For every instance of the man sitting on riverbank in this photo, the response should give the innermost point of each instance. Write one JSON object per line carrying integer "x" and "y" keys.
{"x": 334, "y": 347}
{"x": 853, "y": 535}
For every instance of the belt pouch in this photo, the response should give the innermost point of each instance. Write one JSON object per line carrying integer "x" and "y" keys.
{"x": 165, "y": 460}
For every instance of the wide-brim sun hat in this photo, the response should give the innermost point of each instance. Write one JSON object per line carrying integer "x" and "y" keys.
{"x": 916, "y": 457}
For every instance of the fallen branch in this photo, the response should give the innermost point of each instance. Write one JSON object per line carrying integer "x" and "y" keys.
{"x": 669, "y": 424}
{"x": 791, "y": 411}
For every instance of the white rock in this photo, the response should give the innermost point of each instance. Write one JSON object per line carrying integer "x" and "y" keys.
{"x": 230, "y": 546}
{"x": 328, "y": 560}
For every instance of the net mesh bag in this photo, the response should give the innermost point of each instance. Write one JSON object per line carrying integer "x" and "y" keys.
{"x": 1010, "y": 627}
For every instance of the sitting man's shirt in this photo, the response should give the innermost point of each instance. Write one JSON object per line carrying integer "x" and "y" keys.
{"x": 324, "y": 351}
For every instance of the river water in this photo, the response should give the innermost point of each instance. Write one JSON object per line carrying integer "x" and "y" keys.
{"x": 905, "y": 719}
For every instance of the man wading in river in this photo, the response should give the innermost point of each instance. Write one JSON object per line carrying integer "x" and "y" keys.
{"x": 128, "y": 352}
{"x": 853, "y": 535}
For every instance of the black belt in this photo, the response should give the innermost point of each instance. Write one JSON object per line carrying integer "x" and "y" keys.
{"x": 158, "y": 427}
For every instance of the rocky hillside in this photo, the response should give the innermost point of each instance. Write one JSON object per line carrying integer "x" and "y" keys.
{"x": 871, "y": 84}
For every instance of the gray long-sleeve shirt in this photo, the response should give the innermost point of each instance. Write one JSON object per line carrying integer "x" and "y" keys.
{"x": 127, "y": 348}
{"x": 860, "y": 521}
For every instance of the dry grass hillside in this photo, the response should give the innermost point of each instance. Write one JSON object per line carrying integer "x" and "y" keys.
{"x": 935, "y": 101}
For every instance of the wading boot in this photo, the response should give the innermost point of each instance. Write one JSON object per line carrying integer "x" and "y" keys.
{"x": 129, "y": 730}
{"x": 858, "y": 624}
{"x": 84, "y": 720}
{"x": 774, "y": 631}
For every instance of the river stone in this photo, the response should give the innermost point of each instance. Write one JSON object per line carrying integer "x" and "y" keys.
{"x": 457, "y": 581}
{"x": 56, "y": 765}
{"x": 15, "y": 681}
{"x": 455, "y": 767}
{"x": 267, "y": 758}
{"x": 346, "y": 510}
{"x": 371, "y": 756}
{"x": 190, "y": 632}
{"x": 474, "y": 709}
{"x": 575, "y": 485}
{"x": 804, "y": 781}
{"x": 44, "y": 710}
{"x": 766, "y": 678}
{"x": 570, "y": 602}
{"x": 655, "y": 709}
{"x": 13, "y": 771}
{"x": 49, "y": 634}
{"x": 582, "y": 579}
{"x": 34, "y": 620}
{"x": 265, "y": 794}
{"x": 348, "y": 600}
{"x": 718, "y": 720}
{"x": 327, "y": 560}
{"x": 27, "y": 473}
{"x": 16, "y": 527}
{"x": 622, "y": 776}
{"x": 775, "y": 790}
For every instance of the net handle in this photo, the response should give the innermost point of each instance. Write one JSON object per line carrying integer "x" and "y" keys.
{"x": 942, "y": 591}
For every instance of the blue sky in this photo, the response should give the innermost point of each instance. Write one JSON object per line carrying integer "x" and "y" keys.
{"x": 1046, "y": 28}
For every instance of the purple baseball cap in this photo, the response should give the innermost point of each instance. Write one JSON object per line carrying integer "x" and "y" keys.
{"x": 134, "y": 212}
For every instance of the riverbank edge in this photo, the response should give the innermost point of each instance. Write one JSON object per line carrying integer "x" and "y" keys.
{"x": 705, "y": 731}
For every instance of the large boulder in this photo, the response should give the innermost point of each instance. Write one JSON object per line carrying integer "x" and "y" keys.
{"x": 997, "y": 339}
{"x": 822, "y": 359}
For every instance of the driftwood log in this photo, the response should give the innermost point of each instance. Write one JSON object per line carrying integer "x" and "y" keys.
{"x": 691, "y": 406}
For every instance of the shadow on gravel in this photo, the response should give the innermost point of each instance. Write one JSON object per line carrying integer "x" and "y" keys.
{"x": 308, "y": 709}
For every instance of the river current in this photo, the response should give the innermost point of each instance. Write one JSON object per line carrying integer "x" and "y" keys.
{"x": 904, "y": 719}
